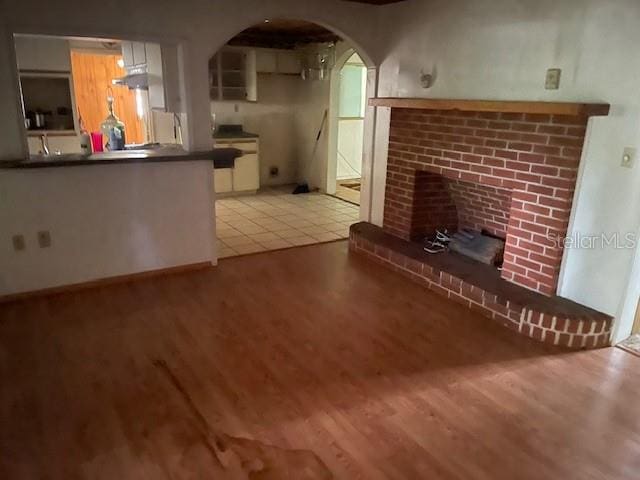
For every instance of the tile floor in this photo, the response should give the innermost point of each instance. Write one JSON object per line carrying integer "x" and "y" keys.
{"x": 274, "y": 219}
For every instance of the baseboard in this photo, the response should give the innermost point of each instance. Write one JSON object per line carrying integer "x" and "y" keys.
{"x": 104, "y": 282}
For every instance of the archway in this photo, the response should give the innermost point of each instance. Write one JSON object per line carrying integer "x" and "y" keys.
{"x": 346, "y": 132}
{"x": 272, "y": 94}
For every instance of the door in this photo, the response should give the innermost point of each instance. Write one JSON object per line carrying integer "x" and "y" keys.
{"x": 350, "y": 134}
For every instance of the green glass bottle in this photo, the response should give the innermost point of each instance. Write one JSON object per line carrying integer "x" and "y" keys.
{"x": 113, "y": 128}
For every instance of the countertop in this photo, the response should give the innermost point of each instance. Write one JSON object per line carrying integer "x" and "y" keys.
{"x": 232, "y": 135}
{"x": 221, "y": 158}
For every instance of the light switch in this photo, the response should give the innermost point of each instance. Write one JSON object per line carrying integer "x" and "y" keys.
{"x": 628, "y": 157}
{"x": 18, "y": 243}
{"x": 552, "y": 81}
{"x": 44, "y": 239}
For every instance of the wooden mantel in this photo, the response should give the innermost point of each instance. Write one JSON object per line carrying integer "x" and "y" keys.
{"x": 549, "y": 108}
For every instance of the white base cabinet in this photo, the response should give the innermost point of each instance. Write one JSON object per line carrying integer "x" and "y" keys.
{"x": 223, "y": 180}
{"x": 246, "y": 174}
{"x": 244, "y": 177}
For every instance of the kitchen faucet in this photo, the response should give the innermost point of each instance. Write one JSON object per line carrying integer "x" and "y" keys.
{"x": 44, "y": 141}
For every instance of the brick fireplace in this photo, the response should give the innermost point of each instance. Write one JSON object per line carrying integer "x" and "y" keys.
{"x": 508, "y": 169}
{"x": 511, "y": 174}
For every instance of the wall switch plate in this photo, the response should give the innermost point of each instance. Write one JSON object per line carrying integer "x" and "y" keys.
{"x": 552, "y": 80}
{"x": 44, "y": 239}
{"x": 628, "y": 157}
{"x": 18, "y": 243}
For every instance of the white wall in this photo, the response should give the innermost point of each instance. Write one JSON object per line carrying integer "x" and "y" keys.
{"x": 104, "y": 221}
{"x": 13, "y": 142}
{"x": 198, "y": 28}
{"x": 273, "y": 118}
{"x": 500, "y": 49}
{"x": 313, "y": 100}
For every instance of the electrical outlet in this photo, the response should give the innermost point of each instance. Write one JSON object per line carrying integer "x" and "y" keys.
{"x": 18, "y": 243}
{"x": 628, "y": 157}
{"x": 552, "y": 81}
{"x": 44, "y": 239}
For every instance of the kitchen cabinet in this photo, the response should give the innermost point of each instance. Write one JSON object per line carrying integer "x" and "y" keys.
{"x": 134, "y": 54}
{"x": 232, "y": 75}
{"x": 223, "y": 180}
{"x": 157, "y": 93}
{"x": 286, "y": 62}
{"x": 170, "y": 78}
{"x": 244, "y": 177}
{"x": 266, "y": 61}
{"x": 246, "y": 173}
{"x": 160, "y": 63}
{"x": 289, "y": 62}
{"x": 39, "y": 54}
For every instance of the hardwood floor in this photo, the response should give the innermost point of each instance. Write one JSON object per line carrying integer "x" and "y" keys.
{"x": 330, "y": 366}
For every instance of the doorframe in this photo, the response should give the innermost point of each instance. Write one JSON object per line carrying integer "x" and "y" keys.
{"x": 334, "y": 113}
{"x": 369, "y": 123}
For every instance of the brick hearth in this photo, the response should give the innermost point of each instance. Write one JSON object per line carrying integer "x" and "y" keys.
{"x": 549, "y": 319}
{"x": 511, "y": 174}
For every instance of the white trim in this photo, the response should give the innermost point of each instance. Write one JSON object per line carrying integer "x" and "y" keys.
{"x": 331, "y": 164}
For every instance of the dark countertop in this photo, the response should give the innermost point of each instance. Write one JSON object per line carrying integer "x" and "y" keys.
{"x": 231, "y": 131}
{"x": 221, "y": 158}
{"x": 232, "y": 135}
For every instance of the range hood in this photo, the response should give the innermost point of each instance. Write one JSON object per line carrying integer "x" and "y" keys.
{"x": 136, "y": 78}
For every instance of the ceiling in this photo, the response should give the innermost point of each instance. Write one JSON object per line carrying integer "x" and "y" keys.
{"x": 279, "y": 33}
{"x": 375, "y": 2}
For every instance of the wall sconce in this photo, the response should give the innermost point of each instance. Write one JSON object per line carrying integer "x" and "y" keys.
{"x": 427, "y": 79}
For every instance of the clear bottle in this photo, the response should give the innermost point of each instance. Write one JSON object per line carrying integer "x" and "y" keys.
{"x": 113, "y": 128}
{"x": 85, "y": 138}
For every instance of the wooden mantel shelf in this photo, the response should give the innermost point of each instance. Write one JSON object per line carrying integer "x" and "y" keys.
{"x": 549, "y": 108}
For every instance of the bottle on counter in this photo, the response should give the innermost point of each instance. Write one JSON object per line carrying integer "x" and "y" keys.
{"x": 113, "y": 128}
{"x": 85, "y": 138}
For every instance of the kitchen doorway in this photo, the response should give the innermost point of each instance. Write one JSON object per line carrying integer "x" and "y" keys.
{"x": 272, "y": 91}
